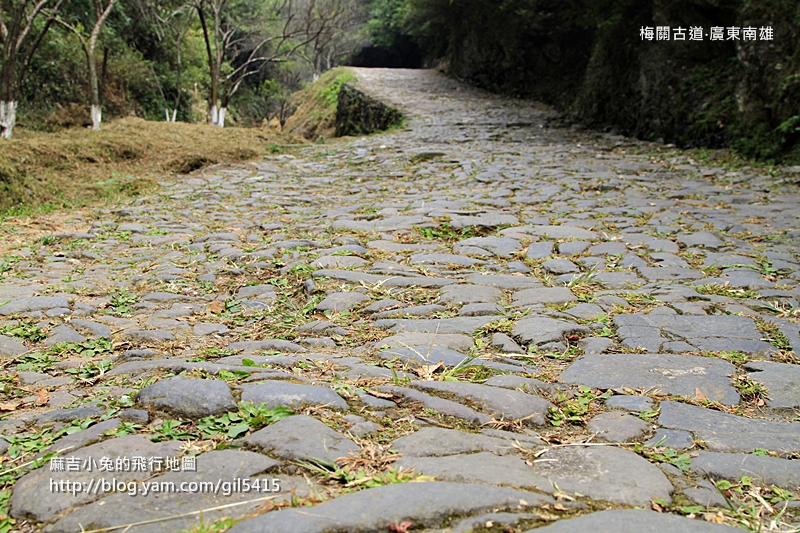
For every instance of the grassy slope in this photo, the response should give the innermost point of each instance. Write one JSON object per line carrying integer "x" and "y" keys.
{"x": 316, "y": 105}
{"x": 44, "y": 171}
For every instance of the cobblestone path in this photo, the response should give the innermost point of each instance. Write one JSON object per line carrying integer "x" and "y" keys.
{"x": 480, "y": 322}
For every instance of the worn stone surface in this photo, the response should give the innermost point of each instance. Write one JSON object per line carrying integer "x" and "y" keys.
{"x": 370, "y": 510}
{"x": 274, "y": 393}
{"x": 334, "y": 279}
{"x": 683, "y": 375}
{"x": 300, "y": 437}
{"x": 501, "y": 403}
{"x": 632, "y": 521}
{"x": 729, "y": 433}
{"x": 192, "y": 398}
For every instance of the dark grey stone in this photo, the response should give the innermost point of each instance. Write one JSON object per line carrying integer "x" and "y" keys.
{"x": 32, "y": 303}
{"x": 671, "y": 438}
{"x": 501, "y": 247}
{"x": 501, "y": 403}
{"x": 61, "y": 334}
{"x": 431, "y": 441}
{"x": 440, "y": 405}
{"x": 765, "y": 471}
{"x": 10, "y": 347}
{"x": 256, "y": 292}
{"x": 506, "y": 343}
{"x": 529, "y": 385}
{"x": 148, "y": 335}
{"x": 428, "y": 504}
{"x": 544, "y": 295}
{"x": 539, "y": 330}
{"x": 479, "y": 309}
{"x": 724, "y": 432}
{"x": 68, "y": 415}
{"x": 190, "y": 398}
{"x": 604, "y": 473}
{"x": 554, "y": 232}
{"x": 137, "y": 416}
{"x": 540, "y": 250}
{"x": 415, "y": 310}
{"x": 632, "y": 521}
{"x": 712, "y": 333}
{"x": 617, "y": 426}
{"x": 504, "y": 281}
{"x": 213, "y": 466}
{"x": 701, "y": 238}
{"x": 671, "y": 374}
{"x": 341, "y": 301}
{"x": 468, "y": 294}
{"x": 667, "y": 273}
{"x": 92, "y": 329}
{"x": 572, "y": 247}
{"x": 266, "y": 346}
{"x": 385, "y": 281}
{"x": 27, "y": 500}
{"x": 300, "y": 437}
{"x": 637, "y": 404}
{"x": 466, "y": 324}
{"x": 781, "y": 379}
{"x": 560, "y": 266}
{"x": 444, "y": 259}
{"x": 274, "y": 393}
{"x": 453, "y": 341}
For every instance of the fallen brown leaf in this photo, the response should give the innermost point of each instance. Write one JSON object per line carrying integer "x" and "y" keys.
{"x": 43, "y": 398}
{"x": 9, "y": 406}
{"x": 699, "y": 394}
{"x": 215, "y": 307}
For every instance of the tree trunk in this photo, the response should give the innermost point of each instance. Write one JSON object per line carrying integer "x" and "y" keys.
{"x": 221, "y": 118}
{"x": 8, "y": 117}
{"x": 94, "y": 86}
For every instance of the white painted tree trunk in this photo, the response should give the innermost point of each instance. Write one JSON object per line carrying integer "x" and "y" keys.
{"x": 214, "y": 114}
{"x": 97, "y": 117}
{"x": 8, "y": 118}
{"x": 221, "y": 118}
{"x": 174, "y": 114}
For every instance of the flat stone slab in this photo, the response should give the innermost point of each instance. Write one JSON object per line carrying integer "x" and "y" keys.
{"x": 32, "y": 303}
{"x": 10, "y": 347}
{"x": 467, "y": 324}
{"x": 723, "y": 432}
{"x": 190, "y": 398}
{"x": 617, "y": 426}
{"x": 444, "y": 259}
{"x": 553, "y": 232}
{"x": 275, "y": 393}
{"x": 432, "y": 441}
{"x": 544, "y": 295}
{"x": 430, "y": 355}
{"x": 440, "y": 405}
{"x": 300, "y": 437}
{"x": 27, "y": 500}
{"x": 469, "y": 294}
{"x": 781, "y": 379}
{"x": 539, "y": 330}
{"x": 764, "y": 470}
{"x": 683, "y": 375}
{"x": 391, "y": 223}
{"x": 602, "y": 473}
{"x": 355, "y": 277}
{"x": 637, "y": 404}
{"x": 211, "y": 467}
{"x": 503, "y": 404}
{"x": 498, "y": 246}
{"x": 341, "y": 301}
{"x": 505, "y": 281}
{"x": 633, "y": 521}
{"x": 429, "y": 504}
{"x": 268, "y": 345}
{"x": 453, "y": 341}
{"x": 712, "y": 333}
{"x": 560, "y": 266}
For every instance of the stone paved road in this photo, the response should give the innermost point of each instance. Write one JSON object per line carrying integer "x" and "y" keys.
{"x": 481, "y": 322}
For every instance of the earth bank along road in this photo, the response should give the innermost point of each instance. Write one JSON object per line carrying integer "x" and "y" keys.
{"x": 467, "y": 317}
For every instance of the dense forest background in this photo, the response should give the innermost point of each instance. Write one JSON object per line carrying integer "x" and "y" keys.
{"x": 238, "y": 61}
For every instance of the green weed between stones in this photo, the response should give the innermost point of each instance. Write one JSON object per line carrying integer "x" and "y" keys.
{"x": 24, "y": 330}
{"x": 725, "y": 289}
{"x": 573, "y": 410}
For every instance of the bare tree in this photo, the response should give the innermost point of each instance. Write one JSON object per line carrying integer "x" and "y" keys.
{"x": 338, "y": 32}
{"x": 89, "y": 45}
{"x": 19, "y": 39}
{"x": 242, "y": 36}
